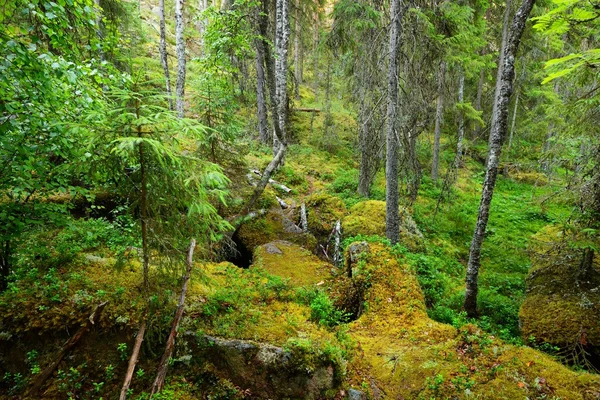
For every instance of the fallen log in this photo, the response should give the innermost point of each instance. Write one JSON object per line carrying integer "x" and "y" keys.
{"x": 49, "y": 370}
{"x": 133, "y": 360}
{"x": 313, "y": 110}
{"x": 170, "y": 347}
{"x": 273, "y": 182}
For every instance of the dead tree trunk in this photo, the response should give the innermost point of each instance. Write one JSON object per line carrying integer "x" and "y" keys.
{"x": 497, "y": 135}
{"x": 478, "y": 100}
{"x": 49, "y": 370}
{"x": 439, "y": 114}
{"x": 170, "y": 347}
{"x": 180, "y": 49}
{"x": 133, "y": 360}
{"x": 297, "y": 72}
{"x": 303, "y": 220}
{"x": 263, "y": 124}
{"x": 392, "y": 222}
{"x": 461, "y": 121}
{"x": 163, "y": 52}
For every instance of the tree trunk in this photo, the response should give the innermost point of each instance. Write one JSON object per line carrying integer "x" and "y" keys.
{"x": 263, "y": 124}
{"x": 586, "y": 267}
{"x": 478, "y": 99}
{"x": 461, "y": 121}
{"x": 439, "y": 114}
{"x": 297, "y": 73}
{"x": 392, "y": 223}
{"x": 133, "y": 360}
{"x": 170, "y": 347}
{"x": 512, "y": 130}
{"x": 180, "y": 49}
{"x": 4, "y": 264}
{"x": 282, "y": 36}
{"x": 497, "y": 135}
{"x": 49, "y": 370}
{"x": 163, "y": 52}
{"x": 548, "y": 140}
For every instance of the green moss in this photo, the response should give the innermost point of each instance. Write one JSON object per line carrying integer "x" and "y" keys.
{"x": 368, "y": 218}
{"x": 323, "y": 211}
{"x": 272, "y": 226}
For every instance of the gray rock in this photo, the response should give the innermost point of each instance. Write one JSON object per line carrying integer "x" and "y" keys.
{"x": 272, "y": 248}
{"x": 354, "y": 394}
{"x": 268, "y": 371}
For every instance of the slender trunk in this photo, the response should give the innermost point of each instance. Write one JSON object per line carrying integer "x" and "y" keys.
{"x": 4, "y": 264}
{"x": 282, "y": 35}
{"x": 497, "y": 135}
{"x": 133, "y": 360}
{"x": 439, "y": 113}
{"x": 263, "y": 124}
{"x": 159, "y": 382}
{"x": 364, "y": 175}
{"x": 163, "y": 52}
{"x": 337, "y": 235}
{"x": 180, "y": 49}
{"x": 586, "y": 267}
{"x": 297, "y": 74}
{"x": 100, "y": 29}
{"x": 478, "y": 100}
{"x": 548, "y": 141}
{"x": 461, "y": 121}
{"x": 316, "y": 57}
{"x": 512, "y": 128}
{"x": 392, "y": 223}
{"x": 505, "y": 31}
{"x": 303, "y": 219}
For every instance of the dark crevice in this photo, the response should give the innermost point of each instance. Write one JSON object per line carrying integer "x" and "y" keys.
{"x": 240, "y": 254}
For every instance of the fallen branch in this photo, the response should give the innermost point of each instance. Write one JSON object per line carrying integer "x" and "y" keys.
{"x": 282, "y": 203}
{"x": 273, "y": 182}
{"x": 164, "y": 361}
{"x": 314, "y": 110}
{"x": 49, "y": 370}
{"x": 133, "y": 360}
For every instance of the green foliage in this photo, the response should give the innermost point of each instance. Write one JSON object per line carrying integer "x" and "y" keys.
{"x": 324, "y": 312}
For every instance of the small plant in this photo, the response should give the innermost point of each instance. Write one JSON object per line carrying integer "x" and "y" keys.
{"x": 122, "y": 349}
{"x": 324, "y": 312}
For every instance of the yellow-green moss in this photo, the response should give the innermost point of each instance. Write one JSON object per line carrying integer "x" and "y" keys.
{"x": 291, "y": 261}
{"x": 531, "y": 178}
{"x": 368, "y": 218}
{"x": 323, "y": 211}
{"x": 268, "y": 228}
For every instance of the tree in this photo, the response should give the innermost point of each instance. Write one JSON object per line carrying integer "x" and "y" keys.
{"x": 439, "y": 113}
{"x": 392, "y": 222}
{"x": 498, "y": 132}
{"x": 180, "y": 49}
{"x": 163, "y": 52}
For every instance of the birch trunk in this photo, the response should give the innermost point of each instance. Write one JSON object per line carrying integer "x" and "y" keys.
{"x": 439, "y": 114}
{"x": 163, "y": 52}
{"x": 282, "y": 36}
{"x": 297, "y": 73}
{"x": 392, "y": 223}
{"x": 180, "y": 48}
{"x": 478, "y": 100}
{"x": 497, "y": 135}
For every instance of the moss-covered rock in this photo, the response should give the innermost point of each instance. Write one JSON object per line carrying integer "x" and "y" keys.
{"x": 274, "y": 225}
{"x": 402, "y": 353}
{"x": 323, "y": 211}
{"x": 292, "y": 262}
{"x": 368, "y": 218}
{"x": 559, "y": 310}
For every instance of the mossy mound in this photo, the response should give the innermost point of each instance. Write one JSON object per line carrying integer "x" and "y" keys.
{"x": 292, "y": 262}
{"x": 531, "y": 178}
{"x": 558, "y": 310}
{"x": 323, "y": 211}
{"x": 368, "y": 218}
{"x": 401, "y": 353}
{"x": 274, "y": 225}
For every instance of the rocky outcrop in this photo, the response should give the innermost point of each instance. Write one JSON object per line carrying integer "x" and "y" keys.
{"x": 267, "y": 371}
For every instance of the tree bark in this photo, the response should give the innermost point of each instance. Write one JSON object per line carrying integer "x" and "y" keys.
{"x": 282, "y": 36}
{"x": 497, "y": 135}
{"x": 439, "y": 114}
{"x": 49, "y": 370}
{"x": 297, "y": 73}
{"x": 513, "y": 123}
{"x": 180, "y": 49}
{"x": 586, "y": 267}
{"x": 170, "y": 347}
{"x": 548, "y": 141}
{"x": 392, "y": 223}
{"x": 263, "y": 124}
{"x": 133, "y": 360}
{"x": 4, "y": 264}
{"x": 461, "y": 121}
{"x": 163, "y": 52}
{"x": 478, "y": 99}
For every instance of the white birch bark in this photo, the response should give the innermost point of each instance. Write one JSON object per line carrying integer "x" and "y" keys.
{"x": 163, "y": 52}
{"x": 180, "y": 49}
{"x": 439, "y": 114}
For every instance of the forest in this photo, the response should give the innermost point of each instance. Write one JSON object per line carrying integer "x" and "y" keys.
{"x": 299, "y": 199}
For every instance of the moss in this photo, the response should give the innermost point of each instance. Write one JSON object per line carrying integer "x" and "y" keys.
{"x": 272, "y": 226}
{"x": 292, "y": 262}
{"x": 368, "y": 218}
{"x": 558, "y": 310}
{"x": 323, "y": 211}
{"x": 531, "y": 178}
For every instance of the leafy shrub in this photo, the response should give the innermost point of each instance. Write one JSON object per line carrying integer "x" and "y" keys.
{"x": 324, "y": 312}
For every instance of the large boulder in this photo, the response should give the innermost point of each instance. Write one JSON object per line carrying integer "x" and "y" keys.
{"x": 265, "y": 370}
{"x": 559, "y": 310}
